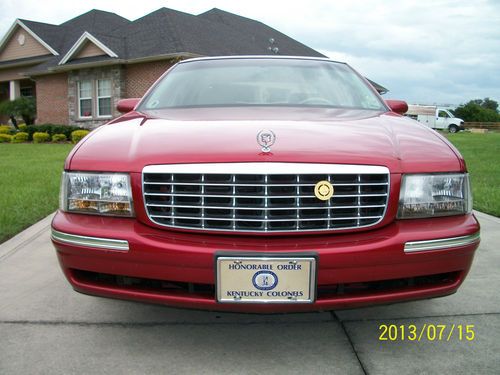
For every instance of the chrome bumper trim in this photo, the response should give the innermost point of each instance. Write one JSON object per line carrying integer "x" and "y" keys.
{"x": 265, "y": 168}
{"x": 440, "y": 244}
{"x": 98, "y": 242}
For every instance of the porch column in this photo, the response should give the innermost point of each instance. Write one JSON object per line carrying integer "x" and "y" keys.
{"x": 14, "y": 90}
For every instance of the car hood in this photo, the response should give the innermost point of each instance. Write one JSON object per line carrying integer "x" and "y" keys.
{"x": 230, "y": 135}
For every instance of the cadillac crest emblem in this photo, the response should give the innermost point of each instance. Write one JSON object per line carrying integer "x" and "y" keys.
{"x": 265, "y": 139}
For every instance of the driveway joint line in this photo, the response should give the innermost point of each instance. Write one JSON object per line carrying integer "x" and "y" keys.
{"x": 335, "y": 318}
{"x": 153, "y": 324}
{"x": 184, "y": 323}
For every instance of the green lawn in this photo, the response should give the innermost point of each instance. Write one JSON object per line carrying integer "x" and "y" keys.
{"x": 482, "y": 155}
{"x": 30, "y": 175}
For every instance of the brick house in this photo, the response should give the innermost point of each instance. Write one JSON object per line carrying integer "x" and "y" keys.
{"x": 78, "y": 70}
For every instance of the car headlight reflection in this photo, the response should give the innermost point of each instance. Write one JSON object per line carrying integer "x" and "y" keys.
{"x": 96, "y": 193}
{"x": 430, "y": 195}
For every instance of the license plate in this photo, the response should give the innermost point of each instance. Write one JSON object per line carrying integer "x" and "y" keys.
{"x": 266, "y": 279}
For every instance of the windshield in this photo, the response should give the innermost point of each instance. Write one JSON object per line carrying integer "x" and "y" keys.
{"x": 261, "y": 82}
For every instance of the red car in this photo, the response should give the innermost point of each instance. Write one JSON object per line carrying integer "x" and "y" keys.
{"x": 265, "y": 184}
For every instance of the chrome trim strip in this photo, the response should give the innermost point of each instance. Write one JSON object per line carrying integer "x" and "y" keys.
{"x": 263, "y": 220}
{"x": 264, "y": 208}
{"x": 266, "y": 168}
{"x": 98, "y": 242}
{"x": 261, "y": 185}
{"x": 263, "y": 196}
{"x": 443, "y": 243}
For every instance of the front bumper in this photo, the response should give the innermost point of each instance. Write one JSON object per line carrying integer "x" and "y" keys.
{"x": 122, "y": 258}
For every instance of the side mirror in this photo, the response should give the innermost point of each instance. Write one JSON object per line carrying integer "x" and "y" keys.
{"x": 127, "y": 105}
{"x": 398, "y": 106}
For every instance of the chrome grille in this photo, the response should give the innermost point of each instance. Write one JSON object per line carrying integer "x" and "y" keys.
{"x": 264, "y": 197}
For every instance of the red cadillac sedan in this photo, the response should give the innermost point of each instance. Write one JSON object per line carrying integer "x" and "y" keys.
{"x": 265, "y": 184}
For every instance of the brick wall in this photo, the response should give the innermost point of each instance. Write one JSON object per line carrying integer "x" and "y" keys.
{"x": 139, "y": 77}
{"x": 56, "y": 94}
{"x": 52, "y": 99}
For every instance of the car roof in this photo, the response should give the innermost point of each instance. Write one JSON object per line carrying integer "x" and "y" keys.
{"x": 266, "y": 57}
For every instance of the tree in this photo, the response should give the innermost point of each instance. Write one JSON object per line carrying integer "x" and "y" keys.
{"x": 480, "y": 110}
{"x": 490, "y": 104}
{"x": 21, "y": 107}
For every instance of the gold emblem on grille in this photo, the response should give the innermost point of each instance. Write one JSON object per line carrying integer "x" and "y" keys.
{"x": 323, "y": 190}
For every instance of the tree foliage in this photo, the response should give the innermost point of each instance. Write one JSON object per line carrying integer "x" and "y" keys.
{"x": 481, "y": 110}
{"x": 21, "y": 107}
{"x": 489, "y": 104}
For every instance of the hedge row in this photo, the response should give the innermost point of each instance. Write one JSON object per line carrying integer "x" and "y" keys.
{"x": 50, "y": 129}
{"x": 42, "y": 137}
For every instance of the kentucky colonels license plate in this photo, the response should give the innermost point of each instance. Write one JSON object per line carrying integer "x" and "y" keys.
{"x": 266, "y": 279}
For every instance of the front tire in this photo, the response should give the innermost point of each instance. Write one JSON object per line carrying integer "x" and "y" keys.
{"x": 453, "y": 128}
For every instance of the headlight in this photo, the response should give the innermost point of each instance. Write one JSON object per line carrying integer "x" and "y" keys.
{"x": 96, "y": 193}
{"x": 428, "y": 195}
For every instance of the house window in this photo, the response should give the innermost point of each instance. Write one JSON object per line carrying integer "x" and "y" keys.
{"x": 94, "y": 99}
{"x": 27, "y": 92}
{"x": 85, "y": 99}
{"x": 103, "y": 98}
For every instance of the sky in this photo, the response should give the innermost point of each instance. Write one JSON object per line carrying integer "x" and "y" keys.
{"x": 427, "y": 52}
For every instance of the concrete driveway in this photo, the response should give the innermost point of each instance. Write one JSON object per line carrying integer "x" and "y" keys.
{"x": 46, "y": 328}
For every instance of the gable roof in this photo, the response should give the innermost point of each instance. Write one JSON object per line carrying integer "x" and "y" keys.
{"x": 99, "y": 23}
{"x": 26, "y": 26}
{"x": 164, "y": 32}
{"x": 86, "y": 37}
{"x": 51, "y": 34}
{"x": 168, "y": 31}
{"x": 160, "y": 34}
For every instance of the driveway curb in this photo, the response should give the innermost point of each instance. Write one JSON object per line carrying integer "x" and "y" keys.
{"x": 11, "y": 246}
{"x": 483, "y": 216}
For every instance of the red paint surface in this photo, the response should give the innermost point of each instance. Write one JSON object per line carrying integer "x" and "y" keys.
{"x": 189, "y": 257}
{"x": 303, "y": 135}
{"x": 398, "y": 106}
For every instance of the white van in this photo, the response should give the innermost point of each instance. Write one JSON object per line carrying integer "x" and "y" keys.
{"x": 435, "y": 117}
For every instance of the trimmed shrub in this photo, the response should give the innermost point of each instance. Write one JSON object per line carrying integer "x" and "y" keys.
{"x": 23, "y": 128}
{"x": 20, "y": 137}
{"x": 59, "y": 138}
{"x": 51, "y": 129}
{"x": 77, "y": 135}
{"x": 5, "y": 138}
{"x": 5, "y": 129}
{"x": 39, "y": 137}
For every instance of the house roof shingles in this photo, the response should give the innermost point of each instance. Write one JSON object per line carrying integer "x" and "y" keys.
{"x": 163, "y": 32}
{"x": 50, "y": 34}
{"x": 259, "y": 34}
{"x": 167, "y": 31}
